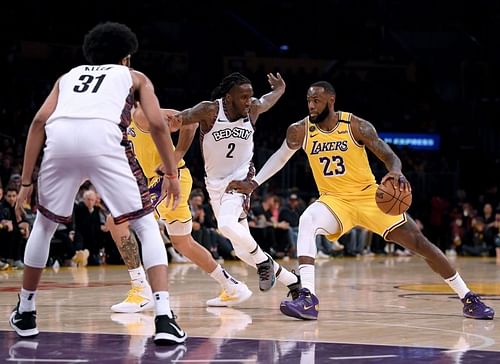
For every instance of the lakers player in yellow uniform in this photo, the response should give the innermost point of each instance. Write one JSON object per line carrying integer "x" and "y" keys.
{"x": 178, "y": 220}
{"x": 335, "y": 143}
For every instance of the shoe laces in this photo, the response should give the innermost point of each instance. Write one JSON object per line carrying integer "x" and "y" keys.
{"x": 174, "y": 316}
{"x": 224, "y": 295}
{"x": 304, "y": 293}
{"x": 134, "y": 295}
{"x": 264, "y": 270}
{"x": 475, "y": 300}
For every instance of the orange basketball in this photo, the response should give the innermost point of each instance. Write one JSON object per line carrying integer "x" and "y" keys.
{"x": 390, "y": 201}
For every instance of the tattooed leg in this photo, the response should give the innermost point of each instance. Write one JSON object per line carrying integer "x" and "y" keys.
{"x": 125, "y": 242}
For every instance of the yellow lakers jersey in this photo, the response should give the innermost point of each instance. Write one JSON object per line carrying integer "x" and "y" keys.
{"x": 145, "y": 150}
{"x": 339, "y": 164}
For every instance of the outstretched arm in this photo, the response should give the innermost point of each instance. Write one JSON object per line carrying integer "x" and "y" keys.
{"x": 186, "y": 134}
{"x": 203, "y": 113}
{"x": 265, "y": 102}
{"x": 294, "y": 138}
{"x": 365, "y": 133}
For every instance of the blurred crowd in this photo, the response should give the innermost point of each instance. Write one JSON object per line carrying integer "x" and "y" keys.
{"x": 388, "y": 70}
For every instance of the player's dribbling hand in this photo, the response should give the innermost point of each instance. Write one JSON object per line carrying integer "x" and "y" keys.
{"x": 245, "y": 186}
{"x": 172, "y": 190}
{"x": 276, "y": 82}
{"x": 23, "y": 196}
{"x": 399, "y": 181}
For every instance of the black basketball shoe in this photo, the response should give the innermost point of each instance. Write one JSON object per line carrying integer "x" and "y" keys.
{"x": 167, "y": 331}
{"x": 23, "y": 323}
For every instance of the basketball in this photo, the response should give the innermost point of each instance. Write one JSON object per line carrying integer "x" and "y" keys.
{"x": 391, "y": 201}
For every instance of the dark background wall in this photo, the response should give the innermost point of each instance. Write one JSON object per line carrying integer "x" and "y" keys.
{"x": 406, "y": 66}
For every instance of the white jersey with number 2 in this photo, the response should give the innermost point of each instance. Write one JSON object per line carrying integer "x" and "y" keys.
{"x": 228, "y": 147}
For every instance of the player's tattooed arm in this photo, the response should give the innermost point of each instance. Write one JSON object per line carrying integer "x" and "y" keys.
{"x": 295, "y": 135}
{"x": 203, "y": 113}
{"x": 365, "y": 133}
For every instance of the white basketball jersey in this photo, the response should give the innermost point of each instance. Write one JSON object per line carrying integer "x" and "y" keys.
{"x": 97, "y": 92}
{"x": 228, "y": 146}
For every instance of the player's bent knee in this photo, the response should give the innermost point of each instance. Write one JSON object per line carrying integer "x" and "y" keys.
{"x": 153, "y": 250}
{"x": 178, "y": 228}
{"x": 225, "y": 224}
{"x": 305, "y": 219}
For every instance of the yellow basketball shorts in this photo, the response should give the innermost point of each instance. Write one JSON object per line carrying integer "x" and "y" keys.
{"x": 360, "y": 210}
{"x": 182, "y": 212}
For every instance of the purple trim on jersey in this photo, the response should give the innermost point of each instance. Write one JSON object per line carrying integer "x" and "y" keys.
{"x": 395, "y": 226}
{"x": 155, "y": 192}
{"x": 53, "y": 217}
{"x": 147, "y": 205}
{"x": 132, "y": 215}
{"x": 126, "y": 115}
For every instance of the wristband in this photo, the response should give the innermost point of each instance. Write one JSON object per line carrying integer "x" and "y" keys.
{"x": 170, "y": 176}
{"x": 27, "y": 184}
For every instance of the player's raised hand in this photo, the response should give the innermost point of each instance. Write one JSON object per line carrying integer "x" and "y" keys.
{"x": 276, "y": 82}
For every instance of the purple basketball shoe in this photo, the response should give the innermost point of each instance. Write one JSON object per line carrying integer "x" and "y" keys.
{"x": 304, "y": 307}
{"x": 474, "y": 308}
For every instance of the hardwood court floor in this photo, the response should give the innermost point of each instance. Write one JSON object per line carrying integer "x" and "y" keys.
{"x": 372, "y": 309}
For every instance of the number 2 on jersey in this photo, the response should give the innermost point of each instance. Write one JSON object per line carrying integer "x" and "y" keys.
{"x": 87, "y": 81}
{"x": 231, "y": 147}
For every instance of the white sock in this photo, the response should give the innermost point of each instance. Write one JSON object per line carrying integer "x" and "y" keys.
{"x": 138, "y": 276}
{"x": 223, "y": 277}
{"x": 27, "y": 301}
{"x": 307, "y": 277}
{"x": 258, "y": 255}
{"x": 457, "y": 284}
{"x": 285, "y": 277}
{"x": 162, "y": 303}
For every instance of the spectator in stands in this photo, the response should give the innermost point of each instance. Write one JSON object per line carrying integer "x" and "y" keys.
{"x": 488, "y": 215}
{"x": 17, "y": 232}
{"x": 474, "y": 242}
{"x": 355, "y": 241}
{"x": 5, "y": 229}
{"x": 262, "y": 226}
{"x": 205, "y": 229}
{"x": 88, "y": 227}
{"x": 62, "y": 248}
{"x": 492, "y": 235}
{"x": 291, "y": 213}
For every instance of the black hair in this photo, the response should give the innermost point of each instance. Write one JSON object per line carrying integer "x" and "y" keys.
{"x": 10, "y": 188}
{"x": 108, "y": 43}
{"x": 227, "y": 83}
{"x": 326, "y": 85}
